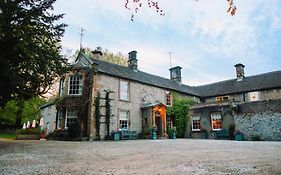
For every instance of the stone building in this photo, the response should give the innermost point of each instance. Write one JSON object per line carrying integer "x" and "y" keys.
{"x": 139, "y": 99}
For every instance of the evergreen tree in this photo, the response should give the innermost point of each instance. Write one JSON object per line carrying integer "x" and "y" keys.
{"x": 29, "y": 48}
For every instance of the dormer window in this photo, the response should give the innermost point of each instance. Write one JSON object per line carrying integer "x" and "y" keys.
{"x": 75, "y": 85}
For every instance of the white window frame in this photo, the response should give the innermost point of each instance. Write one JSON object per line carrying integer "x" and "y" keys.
{"x": 80, "y": 84}
{"x": 70, "y": 117}
{"x": 254, "y": 96}
{"x": 61, "y": 91}
{"x": 213, "y": 118}
{"x": 123, "y": 119}
{"x": 124, "y": 91}
{"x": 196, "y": 118}
{"x": 59, "y": 122}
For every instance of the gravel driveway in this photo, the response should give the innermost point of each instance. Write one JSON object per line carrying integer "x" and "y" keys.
{"x": 180, "y": 156}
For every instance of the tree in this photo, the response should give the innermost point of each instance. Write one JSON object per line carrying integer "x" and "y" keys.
{"x": 107, "y": 56}
{"x": 138, "y": 4}
{"x": 29, "y": 48}
{"x": 30, "y": 111}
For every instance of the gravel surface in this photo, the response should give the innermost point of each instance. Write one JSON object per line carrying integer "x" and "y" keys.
{"x": 159, "y": 157}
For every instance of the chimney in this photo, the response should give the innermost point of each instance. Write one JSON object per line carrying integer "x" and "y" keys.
{"x": 240, "y": 71}
{"x": 133, "y": 62}
{"x": 175, "y": 74}
{"x": 97, "y": 53}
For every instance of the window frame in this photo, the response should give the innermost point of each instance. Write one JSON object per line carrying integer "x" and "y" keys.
{"x": 66, "y": 117}
{"x": 80, "y": 85}
{"x": 121, "y": 90}
{"x": 122, "y": 119}
{"x": 256, "y": 94}
{"x": 62, "y": 87}
{"x": 168, "y": 98}
{"x": 60, "y": 117}
{"x": 222, "y": 98}
{"x": 212, "y": 121}
{"x": 192, "y": 128}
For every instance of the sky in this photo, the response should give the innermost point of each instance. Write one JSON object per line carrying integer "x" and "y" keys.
{"x": 203, "y": 38}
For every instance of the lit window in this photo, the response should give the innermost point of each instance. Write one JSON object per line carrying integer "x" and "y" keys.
{"x": 61, "y": 87}
{"x": 71, "y": 117}
{"x": 123, "y": 119}
{"x": 59, "y": 123}
{"x": 222, "y": 98}
{"x": 196, "y": 126}
{"x": 168, "y": 99}
{"x": 254, "y": 96}
{"x": 124, "y": 90}
{"x": 75, "y": 85}
{"x": 216, "y": 121}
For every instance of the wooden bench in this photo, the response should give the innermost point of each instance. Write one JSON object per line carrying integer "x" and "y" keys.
{"x": 127, "y": 134}
{"x": 222, "y": 134}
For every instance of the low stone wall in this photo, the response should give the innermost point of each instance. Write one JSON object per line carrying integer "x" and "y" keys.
{"x": 267, "y": 125}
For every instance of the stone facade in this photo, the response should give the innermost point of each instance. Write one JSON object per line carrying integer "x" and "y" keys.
{"x": 138, "y": 94}
{"x": 266, "y": 125}
{"x": 261, "y": 118}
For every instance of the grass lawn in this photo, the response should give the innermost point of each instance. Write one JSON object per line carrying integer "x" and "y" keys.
{"x": 8, "y": 136}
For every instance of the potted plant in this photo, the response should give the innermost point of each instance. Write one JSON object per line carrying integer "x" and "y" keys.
{"x": 239, "y": 136}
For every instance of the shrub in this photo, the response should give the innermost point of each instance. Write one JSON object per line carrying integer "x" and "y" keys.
{"x": 74, "y": 130}
{"x": 29, "y": 131}
{"x": 256, "y": 137}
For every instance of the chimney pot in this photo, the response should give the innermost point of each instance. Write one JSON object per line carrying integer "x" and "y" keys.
{"x": 97, "y": 52}
{"x": 240, "y": 75}
{"x": 133, "y": 62}
{"x": 175, "y": 74}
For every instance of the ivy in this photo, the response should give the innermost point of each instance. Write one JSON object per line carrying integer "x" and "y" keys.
{"x": 178, "y": 113}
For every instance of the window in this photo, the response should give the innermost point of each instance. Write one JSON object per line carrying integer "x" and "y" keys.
{"x": 254, "y": 96}
{"x": 75, "y": 85}
{"x": 124, "y": 90}
{"x": 123, "y": 119}
{"x": 59, "y": 123}
{"x": 222, "y": 98}
{"x": 196, "y": 126}
{"x": 71, "y": 117}
{"x": 61, "y": 91}
{"x": 168, "y": 99}
{"x": 216, "y": 121}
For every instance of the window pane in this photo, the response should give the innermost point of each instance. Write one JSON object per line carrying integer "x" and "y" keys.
{"x": 75, "y": 85}
{"x": 59, "y": 124}
{"x": 124, "y": 90}
{"x": 123, "y": 119}
{"x": 71, "y": 117}
{"x": 196, "y": 126}
{"x": 216, "y": 121}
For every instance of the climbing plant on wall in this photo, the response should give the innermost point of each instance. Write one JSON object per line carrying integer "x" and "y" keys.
{"x": 178, "y": 113}
{"x": 97, "y": 115}
{"x": 107, "y": 112}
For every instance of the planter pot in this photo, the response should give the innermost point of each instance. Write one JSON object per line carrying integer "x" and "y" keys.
{"x": 239, "y": 137}
{"x": 28, "y": 137}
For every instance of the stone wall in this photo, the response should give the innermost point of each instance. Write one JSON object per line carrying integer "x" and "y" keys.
{"x": 262, "y": 118}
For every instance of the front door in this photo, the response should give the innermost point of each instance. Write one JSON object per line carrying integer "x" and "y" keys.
{"x": 158, "y": 123}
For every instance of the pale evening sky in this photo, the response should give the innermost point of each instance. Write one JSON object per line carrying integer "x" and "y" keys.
{"x": 205, "y": 40}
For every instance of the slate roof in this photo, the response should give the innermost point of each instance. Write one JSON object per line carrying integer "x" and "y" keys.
{"x": 264, "y": 81}
{"x": 142, "y": 77}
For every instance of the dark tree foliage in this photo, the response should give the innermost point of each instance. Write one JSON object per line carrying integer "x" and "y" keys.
{"x": 29, "y": 48}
